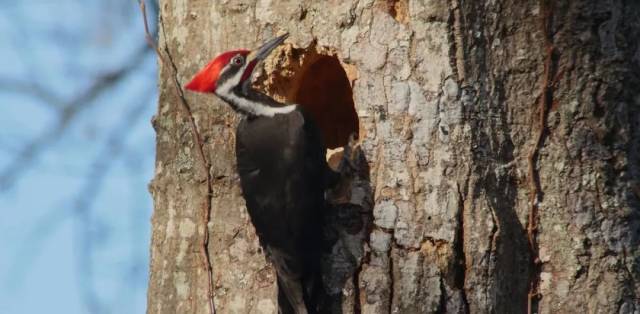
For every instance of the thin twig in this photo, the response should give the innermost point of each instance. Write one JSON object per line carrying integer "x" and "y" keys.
{"x": 545, "y": 101}
{"x": 149, "y": 38}
{"x": 206, "y": 209}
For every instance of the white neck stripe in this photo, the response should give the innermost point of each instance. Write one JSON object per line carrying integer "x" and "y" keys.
{"x": 225, "y": 91}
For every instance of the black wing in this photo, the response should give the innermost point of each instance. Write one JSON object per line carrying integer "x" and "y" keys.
{"x": 282, "y": 167}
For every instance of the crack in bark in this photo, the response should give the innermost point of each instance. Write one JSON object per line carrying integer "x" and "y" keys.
{"x": 391, "y": 279}
{"x": 442, "y": 307}
{"x": 493, "y": 239}
{"x": 630, "y": 279}
{"x": 357, "y": 307}
{"x": 545, "y": 102}
{"x": 461, "y": 271}
{"x": 197, "y": 138}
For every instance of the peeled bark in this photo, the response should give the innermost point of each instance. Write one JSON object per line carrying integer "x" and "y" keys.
{"x": 501, "y": 139}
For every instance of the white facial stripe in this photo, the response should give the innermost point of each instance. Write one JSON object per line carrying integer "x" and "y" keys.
{"x": 254, "y": 108}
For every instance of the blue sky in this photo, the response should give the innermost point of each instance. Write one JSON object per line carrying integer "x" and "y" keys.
{"x": 76, "y": 155}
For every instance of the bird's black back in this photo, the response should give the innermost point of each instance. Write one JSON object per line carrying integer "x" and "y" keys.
{"x": 282, "y": 167}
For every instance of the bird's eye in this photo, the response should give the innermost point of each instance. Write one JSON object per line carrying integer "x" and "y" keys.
{"x": 237, "y": 60}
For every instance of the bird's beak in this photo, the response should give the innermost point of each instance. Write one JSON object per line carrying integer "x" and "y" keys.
{"x": 257, "y": 56}
{"x": 266, "y": 49}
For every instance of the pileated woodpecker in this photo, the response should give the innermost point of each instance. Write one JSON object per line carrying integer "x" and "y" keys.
{"x": 283, "y": 173}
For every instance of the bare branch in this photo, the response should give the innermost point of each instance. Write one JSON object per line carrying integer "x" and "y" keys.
{"x": 23, "y": 44}
{"x": 69, "y": 112}
{"x": 83, "y": 202}
{"x": 34, "y": 90}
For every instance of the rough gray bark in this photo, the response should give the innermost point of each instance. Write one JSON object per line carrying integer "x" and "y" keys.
{"x": 501, "y": 136}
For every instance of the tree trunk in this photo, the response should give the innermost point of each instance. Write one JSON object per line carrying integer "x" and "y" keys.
{"x": 501, "y": 136}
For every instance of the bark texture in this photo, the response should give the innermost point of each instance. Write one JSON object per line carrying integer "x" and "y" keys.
{"x": 501, "y": 138}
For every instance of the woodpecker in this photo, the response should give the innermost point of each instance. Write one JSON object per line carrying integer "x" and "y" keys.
{"x": 283, "y": 174}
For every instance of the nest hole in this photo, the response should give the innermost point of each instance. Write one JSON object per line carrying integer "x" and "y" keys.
{"x": 318, "y": 82}
{"x": 325, "y": 91}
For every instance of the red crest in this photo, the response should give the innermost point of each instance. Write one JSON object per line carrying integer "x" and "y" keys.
{"x": 205, "y": 80}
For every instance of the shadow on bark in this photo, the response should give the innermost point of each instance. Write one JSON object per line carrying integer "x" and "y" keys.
{"x": 509, "y": 266}
{"x": 347, "y": 229}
